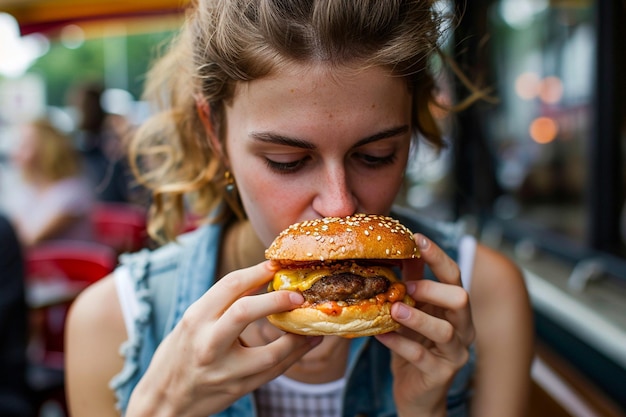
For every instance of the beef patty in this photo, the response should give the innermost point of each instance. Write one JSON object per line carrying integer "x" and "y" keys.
{"x": 345, "y": 287}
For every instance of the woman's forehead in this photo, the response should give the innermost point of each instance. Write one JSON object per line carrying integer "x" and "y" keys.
{"x": 320, "y": 78}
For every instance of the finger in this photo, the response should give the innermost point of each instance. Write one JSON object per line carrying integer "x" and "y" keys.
{"x": 439, "y": 331}
{"x": 234, "y": 286}
{"x": 276, "y": 357}
{"x": 436, "y": 329}
{"x": 251, "y": 308}
{"x": 451, "y": 300}
{"x": 413, "y": 352}
{"x": 442, "y": 266}
{"x": 446, "y": 296}
{"x": 248, "y": 368}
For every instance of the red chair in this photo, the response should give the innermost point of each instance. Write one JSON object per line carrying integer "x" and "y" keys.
{"x": 121, "y": 226}
{"x": 68, "y": 260}
{"x": 56, "y": 272}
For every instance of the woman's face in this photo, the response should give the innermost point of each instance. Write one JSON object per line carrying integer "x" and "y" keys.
{"x": 311, "y": 142}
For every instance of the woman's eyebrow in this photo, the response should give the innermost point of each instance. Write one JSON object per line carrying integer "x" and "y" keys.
{"x": 275, "y": 138}
{"x": 388, "y": 133}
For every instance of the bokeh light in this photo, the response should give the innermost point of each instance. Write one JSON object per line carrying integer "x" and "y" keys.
{"x": 543, "y": 130}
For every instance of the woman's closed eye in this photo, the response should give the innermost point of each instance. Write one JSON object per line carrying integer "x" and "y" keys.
{"x": 376, "y": 161}
{"x": 291, "y": 166}
{"x": 286, "y": 167}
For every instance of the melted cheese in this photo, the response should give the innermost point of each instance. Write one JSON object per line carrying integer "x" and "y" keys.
{"x": 303, "y": 279}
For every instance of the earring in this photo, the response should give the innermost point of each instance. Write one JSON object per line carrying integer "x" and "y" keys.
{"x": 229, "y": 181}
{"x": 231, "y": 196}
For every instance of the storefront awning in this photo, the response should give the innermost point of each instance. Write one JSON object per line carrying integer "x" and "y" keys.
{"x": 46, "y": 15}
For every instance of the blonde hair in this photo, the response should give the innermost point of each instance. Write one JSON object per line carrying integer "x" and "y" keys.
{"x": 224, "y": 42}
{"x": 55, "y": 154}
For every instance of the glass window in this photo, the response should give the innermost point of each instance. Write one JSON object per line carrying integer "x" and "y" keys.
{"x": 543, "y": 64}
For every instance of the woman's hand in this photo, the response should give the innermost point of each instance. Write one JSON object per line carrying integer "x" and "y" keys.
{"x": 433, "y": 343}
{"x": 201, "y": 367}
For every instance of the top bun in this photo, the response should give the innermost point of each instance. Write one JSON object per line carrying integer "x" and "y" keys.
{"x": 360, "y": 236}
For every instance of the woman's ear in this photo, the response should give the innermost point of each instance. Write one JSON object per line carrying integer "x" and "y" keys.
{"x": 204, "y": 113}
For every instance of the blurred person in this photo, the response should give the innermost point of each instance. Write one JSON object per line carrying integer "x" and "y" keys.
{"x": 99, "y": 137}
{"x": 15, "y": 398}
{"x": 55, "y": 199}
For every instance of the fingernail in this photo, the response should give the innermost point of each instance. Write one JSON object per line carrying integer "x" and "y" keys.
{"x": 422, "y": 242}
{"x": 296, "y": 297}
{"x": 402, "y": 311}
{"x": 410, "y": 287}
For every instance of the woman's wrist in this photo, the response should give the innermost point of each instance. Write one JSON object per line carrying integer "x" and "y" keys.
{"x": 151, "y": 402}
{"x": 436, "y": 410}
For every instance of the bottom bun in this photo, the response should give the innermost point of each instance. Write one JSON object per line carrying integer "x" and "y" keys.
{"x": 352, "y": 321}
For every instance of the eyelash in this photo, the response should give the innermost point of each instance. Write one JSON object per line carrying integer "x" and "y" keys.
{"x": 285, "y": 167}
{"x": 378, "y": 161}
{"x": 372, "y": 162}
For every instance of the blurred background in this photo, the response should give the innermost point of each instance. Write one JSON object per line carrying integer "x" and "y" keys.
{"x": 537, "y": 170}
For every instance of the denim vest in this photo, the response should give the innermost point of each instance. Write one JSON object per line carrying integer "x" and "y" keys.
{"x": 171, "y": 278}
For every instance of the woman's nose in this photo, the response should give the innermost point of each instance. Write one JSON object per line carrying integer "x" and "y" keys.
{"x": 335, "y": 197}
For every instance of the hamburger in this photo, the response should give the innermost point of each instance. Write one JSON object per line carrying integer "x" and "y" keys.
{"x": 344, "y": 269}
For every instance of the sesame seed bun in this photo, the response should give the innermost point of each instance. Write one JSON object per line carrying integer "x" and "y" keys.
{"x": 367, "y": 320}
{"x": 359, "y": 236}
{"x": 360, "y": 247}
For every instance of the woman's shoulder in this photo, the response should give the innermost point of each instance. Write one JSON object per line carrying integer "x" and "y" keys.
{"x": 95, "y": 329}
{"x": 495, "y": 265}
{"x": 498, "y": 281}
{"x": 97, "y": 311}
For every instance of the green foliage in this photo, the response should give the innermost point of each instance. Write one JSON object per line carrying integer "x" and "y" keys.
{"x": 61, "y": 68}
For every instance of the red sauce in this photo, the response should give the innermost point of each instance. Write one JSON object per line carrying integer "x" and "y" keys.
{"x": 396, "y": 292}
{"x": 330, "y": 307}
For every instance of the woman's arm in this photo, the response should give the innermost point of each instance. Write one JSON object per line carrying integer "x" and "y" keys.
{"x": 504, "y": 336}
{"x": 95, "y": 330}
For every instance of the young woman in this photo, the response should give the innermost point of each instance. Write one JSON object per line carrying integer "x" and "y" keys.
{"x": 276, "y": 112}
